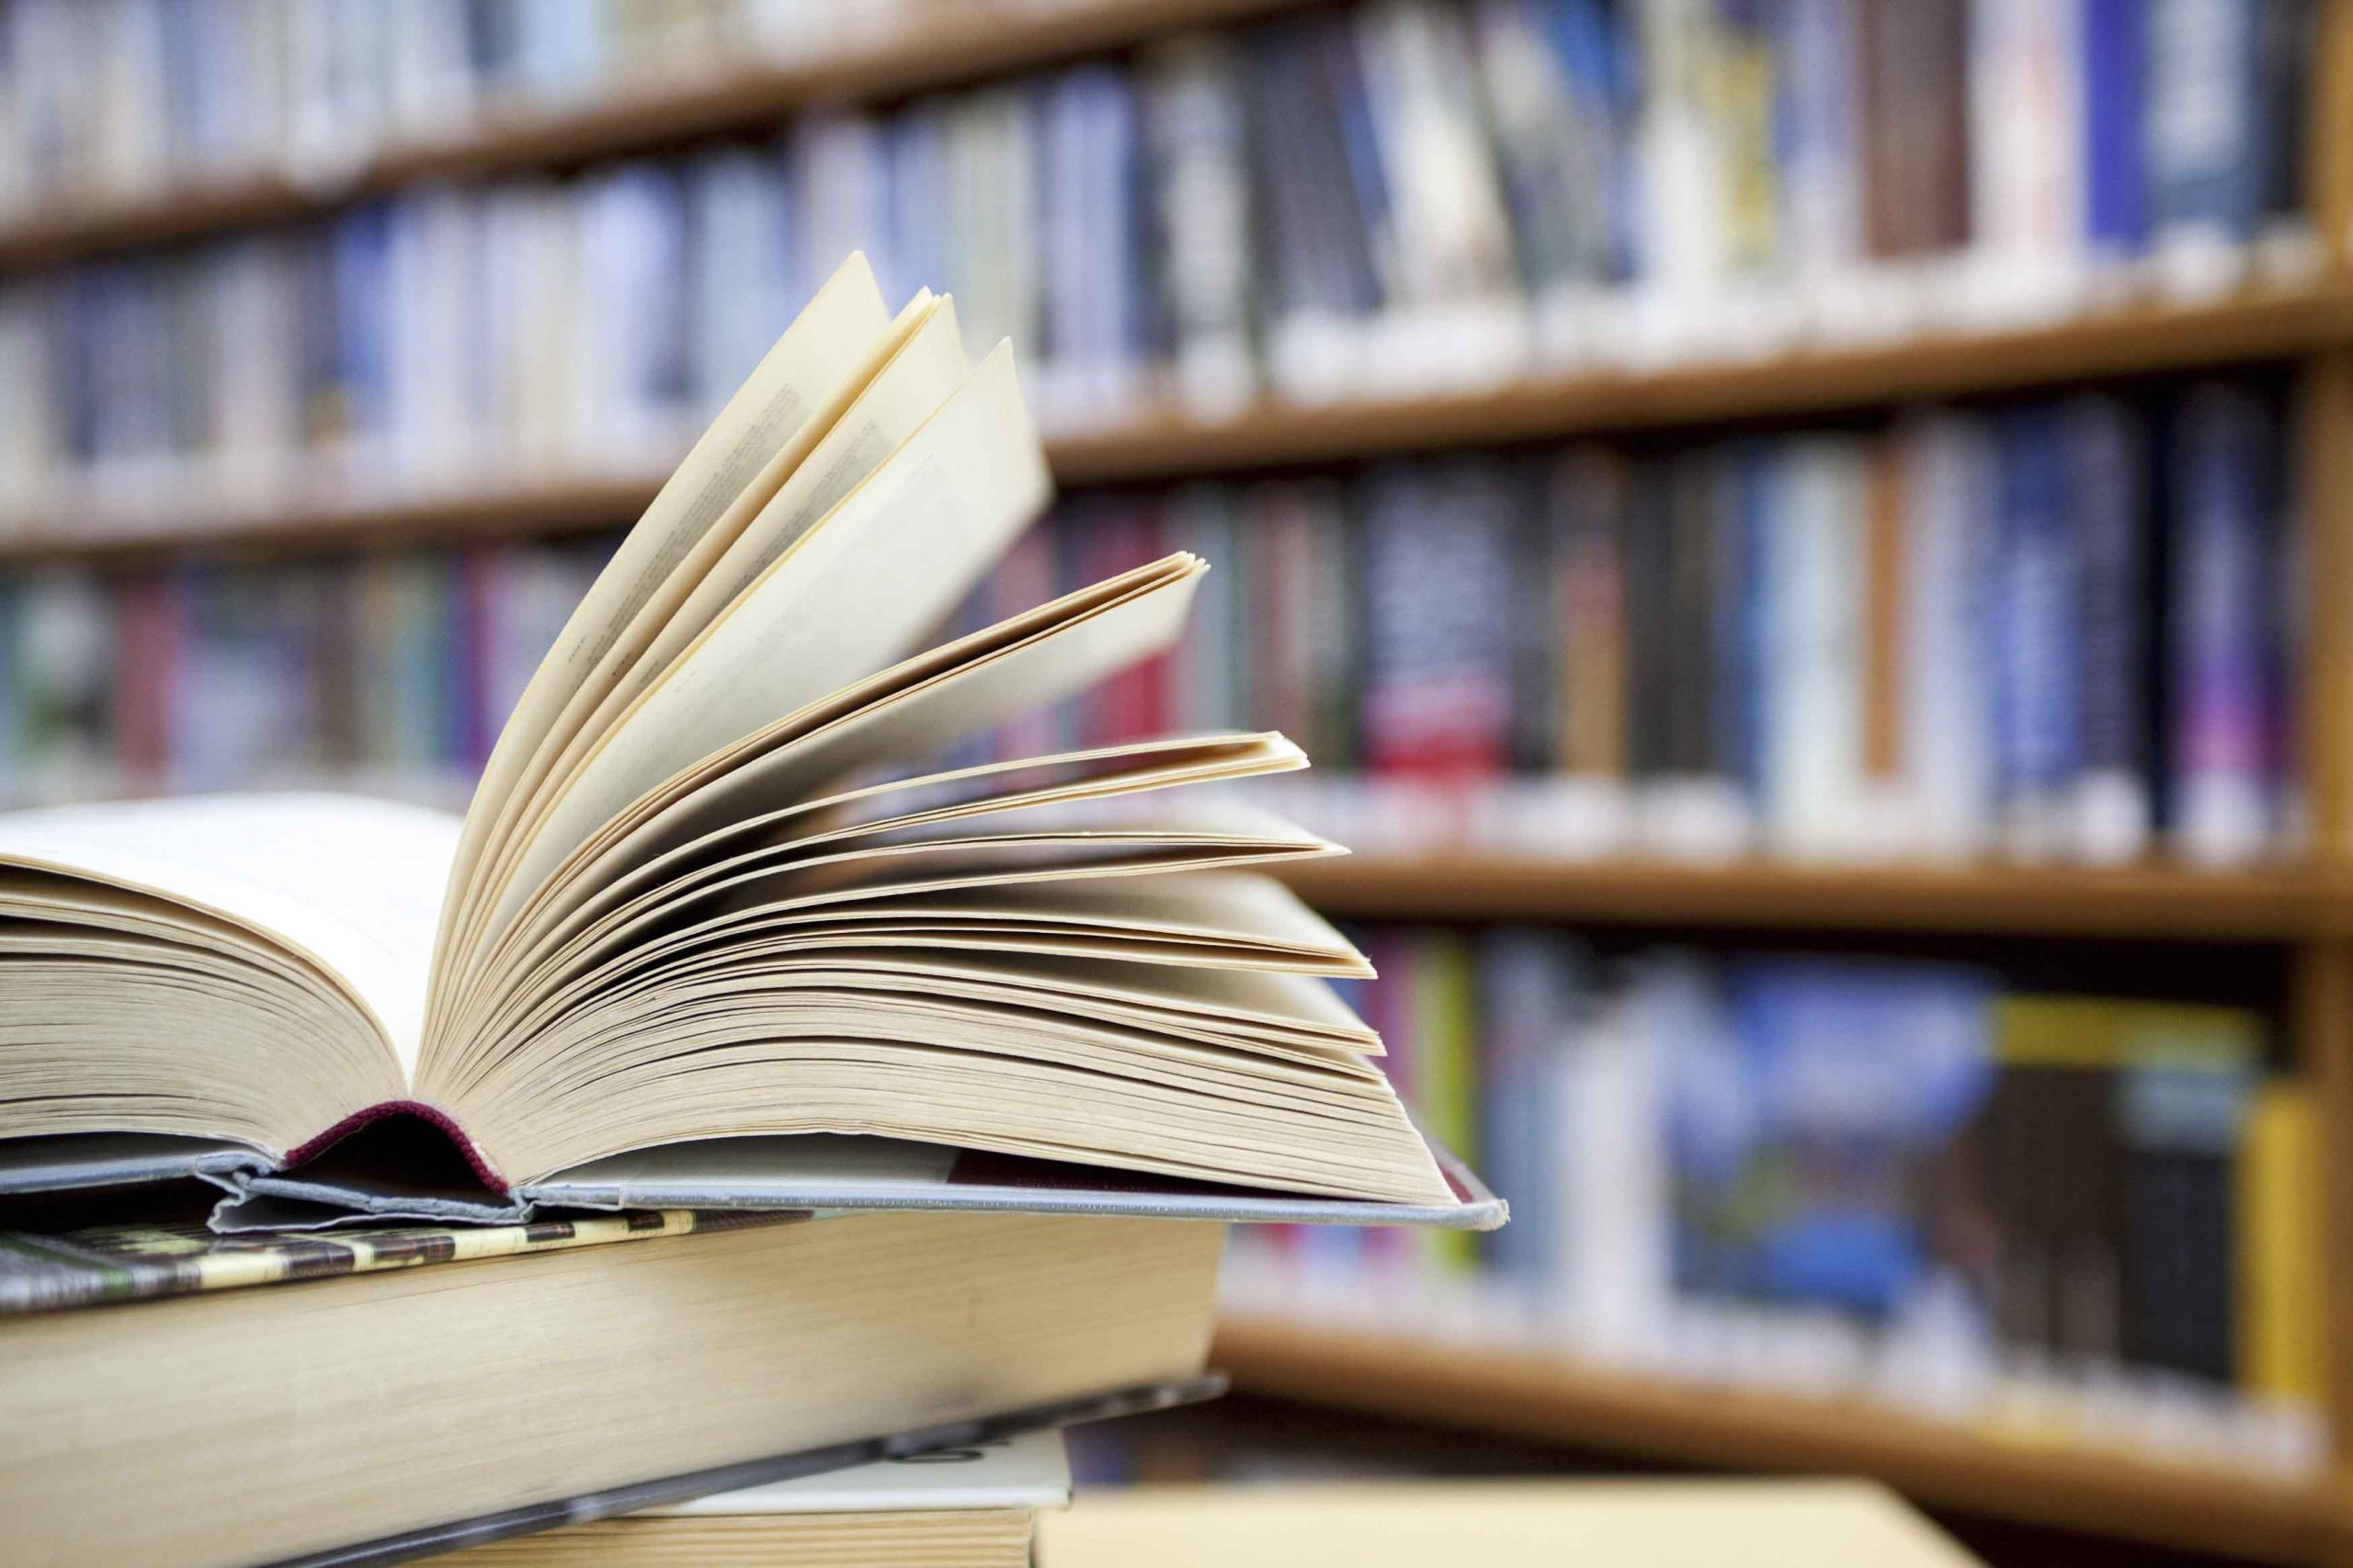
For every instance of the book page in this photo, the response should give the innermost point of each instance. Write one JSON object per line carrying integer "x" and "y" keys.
{"x": 351, "y": 884}
{"x": 839, "y": 326}
{"x": 903, "y": 378}
{"x": 853, "y": 594}
{"x": 914, "y": 386}
{"x": 911, "y": 710}
{"x": 965, "y": 792}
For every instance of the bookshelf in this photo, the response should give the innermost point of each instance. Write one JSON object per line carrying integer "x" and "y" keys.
{"x": 2265, "y": 326}
{"x": 2013, "y": 1478}
{"x": 2305, "y": 909}
{"x": 950, "y": 44}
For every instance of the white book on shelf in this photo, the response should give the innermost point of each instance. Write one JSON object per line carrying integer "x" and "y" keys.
{"x": 1813, "y": 557}
{"x": 131, "y": 153}
{"x": 1681, "y": 199}
{"x": 2028, "y": 263}
{"x": 429, "y": 76}
{"x": 435, "y": 338}
{"x": 254, "y": 368}
{"x": 1821, "y": 167}
{"x": 632, "y": 230}
{"x": 1613, "y": 1208}
{"x": 740, "y": 277}
{"x": 1946, "y": 478}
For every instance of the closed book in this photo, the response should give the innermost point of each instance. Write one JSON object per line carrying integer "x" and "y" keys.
{"x": 975, "y": 1506}
{"x": 2041, "y": 686}
{"x": 2218, "y": 127}
{"x": 1916, "y": 109}
{"x": 2106, "y": 444}
{"x": 1587, "y": 504}
{"x": 2115, "y": 43}
{"x": 1529, "y": 990}
{"x": 1447, "y": 1069}
{"x": 704, "y": 1346}
{"x": 2279, "y": 1246}
{"x": 1195, "y": 131}
{"x": 2225, "y": 665}
{"x": 2180, "y": 1104}
{"x": 1648, "y": 554}
{"x": 2054, "y": 1177}
{"x": 1813, "y": 561}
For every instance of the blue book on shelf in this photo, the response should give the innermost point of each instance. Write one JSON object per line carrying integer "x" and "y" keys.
{"x": 2217, "y": 90}
{"x": 1594, "y": 46}
{"x": 2224, "y": 659}
{"x": 2037, "y": 641}
{"x": 1851, "y": 1079}
{"x": 2115, "y": 60}
{"x": 1528, "y": 987}
{"x": 1339, "y": 57}
{"x": 2108, "y": 454}
{"x": 362, "y": 358}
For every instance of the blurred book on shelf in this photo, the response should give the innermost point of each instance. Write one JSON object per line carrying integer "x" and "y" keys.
{"x": 388, "y": 673}
{"x": 2050, "y": 631}
{"x": 191, "y": 93}
{"x": 1375, "y": 200}
{"x": 2062, "y": 1217}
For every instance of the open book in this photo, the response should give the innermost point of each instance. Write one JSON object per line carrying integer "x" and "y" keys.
{"x": 706, "y": 892}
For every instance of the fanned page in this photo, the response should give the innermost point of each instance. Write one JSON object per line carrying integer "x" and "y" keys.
{"x": 708, "y": 891}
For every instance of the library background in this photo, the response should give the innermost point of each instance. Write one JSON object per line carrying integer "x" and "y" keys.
{"x": 1811, "y": 543}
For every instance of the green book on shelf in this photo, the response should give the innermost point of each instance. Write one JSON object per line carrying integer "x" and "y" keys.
{"x": 709, "y": 933}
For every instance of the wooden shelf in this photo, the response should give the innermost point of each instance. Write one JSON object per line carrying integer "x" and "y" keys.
{"x": 327, "y": 520}
{"x": 1167, "y": 447}
{"x": 2147, "y": 901}
{"x": 2261, "y": 326}
{"x": 954, "y": 44}
{"x": 2186, "y": 1508}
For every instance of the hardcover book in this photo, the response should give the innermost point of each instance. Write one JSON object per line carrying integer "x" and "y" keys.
{"x": 382, "y": 1393}
{"x": 976, "y": 1506}
{"x": 707, "y": 890}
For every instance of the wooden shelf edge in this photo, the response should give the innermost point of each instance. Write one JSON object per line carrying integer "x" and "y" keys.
{"x": 2152, "y": 902}
{"x": 952, "y": 45}
{"x": 1168, "y": 448}
{"x": 1527, "y": 1396}
{"x": 524, "y": 509}
{"x": 2263, "y": 324}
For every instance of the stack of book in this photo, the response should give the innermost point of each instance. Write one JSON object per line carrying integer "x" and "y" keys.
{"x": 816, "y": 1104}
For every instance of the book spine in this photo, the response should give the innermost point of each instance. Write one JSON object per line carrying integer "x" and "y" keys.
{"x": 2115, "y": 60}
{"x": 2041, "y": 648}
{"x": 2204, "y": 146}
{"x": 2223, "y": 657}
{"x": 2107, "y": 483}
{"x": 1446, "y": 1069}
{"x": 2181, "y": 1127}
{"x": 2279, "y": 1285}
